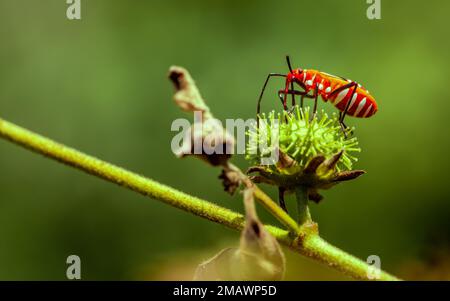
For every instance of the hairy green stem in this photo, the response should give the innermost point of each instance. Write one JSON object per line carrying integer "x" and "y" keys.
{"x": 308, "y": 244}
{"x": 276, "y": 211}
{"x": 267, "y": 202}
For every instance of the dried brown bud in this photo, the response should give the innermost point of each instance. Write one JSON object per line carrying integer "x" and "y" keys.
{"x": 231, "y": 180}
{"x": 206, "y": 138}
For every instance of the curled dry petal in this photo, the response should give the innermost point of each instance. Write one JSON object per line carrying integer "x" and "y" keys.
{"x": 329, "y": 165}
{"x": 313, "y": 164}
{"x": 187, "y": 96}
{"x": 348, "y": 175}
{"x": 208, "y": 141}
{"x": 206, "y": 138}
{"x": 284, "y": 161}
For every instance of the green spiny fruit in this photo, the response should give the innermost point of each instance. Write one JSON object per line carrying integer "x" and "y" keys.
{"x": 301, "y": 139}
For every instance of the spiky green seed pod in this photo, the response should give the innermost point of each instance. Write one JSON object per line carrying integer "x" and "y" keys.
{"x": 302, "y": 139}
{"x": 312, "y": 152}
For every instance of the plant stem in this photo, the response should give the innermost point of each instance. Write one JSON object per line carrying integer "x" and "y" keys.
{"x": 267, "y": 202}
{"x": 301, "y": 195}
{"x": 308, "y": 244}
{"x": 119, "y": 175}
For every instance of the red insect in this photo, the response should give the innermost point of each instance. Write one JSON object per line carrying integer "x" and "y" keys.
{"x": 346, "y": 95}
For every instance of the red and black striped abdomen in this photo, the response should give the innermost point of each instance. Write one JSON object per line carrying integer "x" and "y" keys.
{"x": 361, "y": 105}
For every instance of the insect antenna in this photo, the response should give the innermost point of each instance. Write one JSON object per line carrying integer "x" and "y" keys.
{"x": 288, "y": 60}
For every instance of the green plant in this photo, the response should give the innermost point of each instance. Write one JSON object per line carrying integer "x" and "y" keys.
{"x": 313, "y": 154}
{"x": 302, "y": 137}
{"x": 300, "y": 237}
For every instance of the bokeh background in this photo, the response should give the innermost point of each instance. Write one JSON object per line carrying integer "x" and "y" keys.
{"x": 99, "y": 84}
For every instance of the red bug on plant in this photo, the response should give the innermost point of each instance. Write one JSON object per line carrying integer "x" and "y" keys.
{"x": 348, "y": 96}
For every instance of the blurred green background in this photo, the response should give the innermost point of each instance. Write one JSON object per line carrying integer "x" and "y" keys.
{"x": 99, "y": 85}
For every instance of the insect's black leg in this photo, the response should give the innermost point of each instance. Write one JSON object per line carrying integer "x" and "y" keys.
{"x": 293, "y": 95}
{"x": 288, "y": 61}
{"x": 301, "y": 93}
{"x": 316, "y": 94}
{"x": 258, "y": 107}
{"x": 348, "y": 103}
{"x": 342, "y": 116}
{"x": 344, "y": 127}
{"x": 353, "y": 85}
{"x": 342, "y": 124}
{"x": 341, "y": 88}
{"x": 302, "y": 96}
{"x": 281, "y": 198}
{"x": 292, "y": 92}
{"x": 281, "y": 94}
